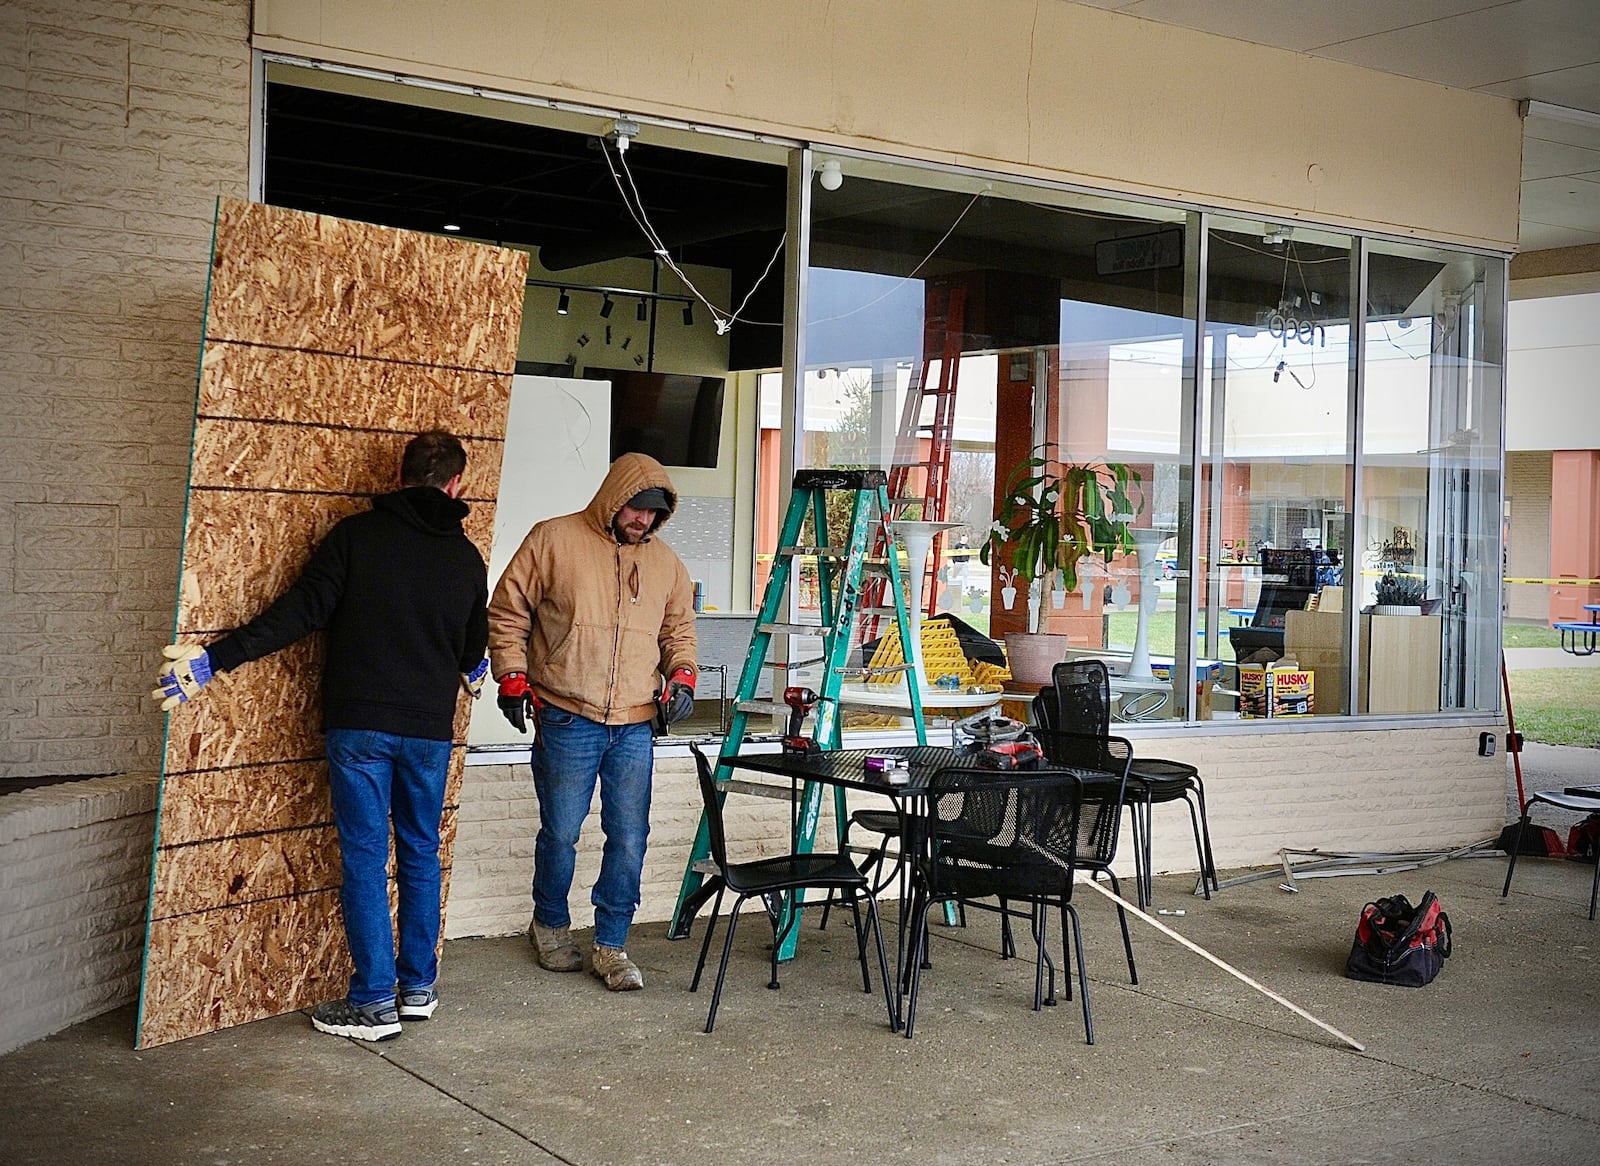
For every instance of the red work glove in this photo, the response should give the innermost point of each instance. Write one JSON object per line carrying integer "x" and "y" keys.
{"x": 677, "y": 699}
{"x": 519, "y": 702}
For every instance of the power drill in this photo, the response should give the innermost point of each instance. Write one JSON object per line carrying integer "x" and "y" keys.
{"x": 800, "y": 701}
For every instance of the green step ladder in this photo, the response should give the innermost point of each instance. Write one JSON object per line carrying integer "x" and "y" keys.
{"x": 841, "y": 568}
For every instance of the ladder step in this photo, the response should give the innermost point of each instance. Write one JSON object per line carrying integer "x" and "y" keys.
{"x": 736, "y": 785}
{"x": 705, "y": 866}
{"x": 773, "y": 707}
{"x": 820, "y": 552}
{"x": 862, "y": 704}
{"x": 794, "y": 629}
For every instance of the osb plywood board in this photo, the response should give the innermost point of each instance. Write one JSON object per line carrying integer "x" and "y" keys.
{"x": 250, "y": 383}
{"x": 328, "y": 346}
{"x": 291, "y": 279}
{"x": 242, "y": 548}
{"x": 212, "y": 969}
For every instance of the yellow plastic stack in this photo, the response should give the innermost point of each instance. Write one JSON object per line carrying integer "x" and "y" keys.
{"x": 941, "y": 654}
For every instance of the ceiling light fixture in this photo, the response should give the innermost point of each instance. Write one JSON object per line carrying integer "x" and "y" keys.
{"x": 607, "y": 306}
{"x": 564, "y": 303}
{"x": 830, "y": 176}
{"x": 452, "y": 226}
{"x": 644, "y": 311}
{"x": 688, "y": 314}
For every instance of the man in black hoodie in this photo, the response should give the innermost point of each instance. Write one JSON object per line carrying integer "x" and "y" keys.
{"x": 402, "y": 594}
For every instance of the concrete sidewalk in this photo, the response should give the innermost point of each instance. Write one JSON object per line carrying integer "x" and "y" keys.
{"x": 1494, "y": 1062}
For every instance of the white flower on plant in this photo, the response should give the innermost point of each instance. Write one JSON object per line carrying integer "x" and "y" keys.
{"x": 999, "y": 530}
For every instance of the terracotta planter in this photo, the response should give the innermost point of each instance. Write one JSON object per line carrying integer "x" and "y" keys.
{"x": 1032, "y": 655}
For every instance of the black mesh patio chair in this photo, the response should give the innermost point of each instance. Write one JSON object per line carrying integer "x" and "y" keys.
{"x": 1011, "y": 836}
{"x": 1078, "y": 700}
{"x": 769, "y": 879}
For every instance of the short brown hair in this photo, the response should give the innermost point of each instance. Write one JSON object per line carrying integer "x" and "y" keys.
{"x": 432, "y": 459}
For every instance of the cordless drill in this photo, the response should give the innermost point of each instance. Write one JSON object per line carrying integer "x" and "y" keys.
{"x": 800, "y": 701}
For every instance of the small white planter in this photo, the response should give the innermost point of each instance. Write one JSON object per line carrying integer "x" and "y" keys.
{"x": 1396, "y": 609}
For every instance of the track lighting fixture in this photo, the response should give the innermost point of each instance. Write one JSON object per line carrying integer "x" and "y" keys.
{"x": 564, "y": 303}
{"x": 688, "y": 314}
{"x": 644, "y": 311}
{"x": 606, "y": 306}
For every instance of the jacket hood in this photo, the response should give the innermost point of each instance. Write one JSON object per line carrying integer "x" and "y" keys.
{"x": 629, "y": 474}
{"x": 426, "y": 508}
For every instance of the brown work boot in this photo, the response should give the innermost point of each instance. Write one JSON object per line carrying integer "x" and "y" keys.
{"x": 553, "y": 948}
{"x": 613, "y": 966}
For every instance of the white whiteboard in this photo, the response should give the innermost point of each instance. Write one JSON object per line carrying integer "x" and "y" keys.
{"x": 557, "y": 452}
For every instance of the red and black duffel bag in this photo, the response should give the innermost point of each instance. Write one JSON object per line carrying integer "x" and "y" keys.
{"x": 1397, "y": 943}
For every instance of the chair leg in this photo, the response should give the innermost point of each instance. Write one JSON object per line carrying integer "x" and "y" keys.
{"x": 1041, "y": 919}
{"x": 1199, "y": 847}
{"x": 1070, "y": 922}
{"x": 1594, "y": 892}
{"x": 1136, "y": 821}
{"x": 705, "y": 944}
{"x": 883, "y": 963}
{"x": 722, "y": 968}
{"x": 1205, "y": 833}
{"x": 861, "y": 940}
{"x": 1127, "y": 941}
{"x": 919, "y": 940}
{"x": 1516, "y": 848}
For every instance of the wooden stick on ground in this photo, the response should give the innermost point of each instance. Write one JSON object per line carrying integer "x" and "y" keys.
{"x": 1232, "y": 971}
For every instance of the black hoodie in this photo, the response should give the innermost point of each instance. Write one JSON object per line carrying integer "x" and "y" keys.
{"x": 402, "y": 592}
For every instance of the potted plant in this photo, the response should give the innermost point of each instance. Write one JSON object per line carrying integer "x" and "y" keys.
{"x": 1398, "y": 595}
{"x": 1052, "y": 516}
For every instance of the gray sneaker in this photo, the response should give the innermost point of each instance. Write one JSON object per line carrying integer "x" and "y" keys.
{"x": 613, "y": 966}
{"x": 417, "y": 1003}
{"x": 553, "y": 948}
{"x": 372, "y": 1022}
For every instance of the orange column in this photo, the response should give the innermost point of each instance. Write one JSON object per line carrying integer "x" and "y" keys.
{"x": 1574, "y": 530}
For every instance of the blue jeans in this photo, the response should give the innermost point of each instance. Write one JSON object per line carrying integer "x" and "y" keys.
{"x": 376, "y": 777}
{"x": 576, "y": 751}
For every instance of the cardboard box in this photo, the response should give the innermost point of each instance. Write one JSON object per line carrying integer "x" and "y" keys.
{"x": 1276, "y": 690}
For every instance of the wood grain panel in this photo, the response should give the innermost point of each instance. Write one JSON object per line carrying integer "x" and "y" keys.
{"x": 214, "y": 969}
{"x": 216, "y": 803}
{"x": 251, "y": 383}
{"x": 244, "y": 912}
{"x": 292, "y": 279}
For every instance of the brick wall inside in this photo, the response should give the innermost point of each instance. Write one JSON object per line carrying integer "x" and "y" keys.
{"x": 120, "y": 124}
{"x": 74, "y": 880}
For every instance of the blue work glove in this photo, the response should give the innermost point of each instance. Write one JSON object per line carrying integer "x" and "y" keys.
{"x": 187, "y": 669}
{"x": 473, "y": 681}
{"x": 677, "y": 701}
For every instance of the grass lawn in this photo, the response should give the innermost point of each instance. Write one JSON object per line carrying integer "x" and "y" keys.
{"x": 1558, "y": 706}
{"x": 1517, "y": 635}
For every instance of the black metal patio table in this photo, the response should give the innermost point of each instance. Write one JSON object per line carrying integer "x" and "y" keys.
{"x": 847, "y": 768}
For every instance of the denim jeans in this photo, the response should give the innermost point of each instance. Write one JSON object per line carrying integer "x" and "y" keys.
{"x": 375, "y": 777}
{"x": 575, "y": 752}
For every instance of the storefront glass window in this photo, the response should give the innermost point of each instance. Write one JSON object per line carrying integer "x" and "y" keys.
{"x": 1276, "y": 464}
{"x": 1428, "y": 533}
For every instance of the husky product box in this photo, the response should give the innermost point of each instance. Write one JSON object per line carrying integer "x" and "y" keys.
{"x": 1276, "y": 690}
{"x": 1291, "y": 691}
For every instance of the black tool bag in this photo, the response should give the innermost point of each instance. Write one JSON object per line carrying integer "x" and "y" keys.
{"x": 1397, "y": 943}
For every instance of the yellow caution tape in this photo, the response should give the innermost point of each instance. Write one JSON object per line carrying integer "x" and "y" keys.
{"x": 1563, "y": 582}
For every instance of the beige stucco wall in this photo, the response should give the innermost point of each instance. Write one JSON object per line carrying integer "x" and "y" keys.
{"x": 1033, "y": 86}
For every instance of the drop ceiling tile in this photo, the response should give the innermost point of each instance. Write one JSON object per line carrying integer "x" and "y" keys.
{"x": 1575, "y": 88}
{"x": 1552, "y": 159}
{"x": 1544, "y": 236}
{"x": 1562, "y": 202}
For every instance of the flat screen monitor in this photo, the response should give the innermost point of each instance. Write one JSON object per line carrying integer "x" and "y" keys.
{"x": 673, "y": 417}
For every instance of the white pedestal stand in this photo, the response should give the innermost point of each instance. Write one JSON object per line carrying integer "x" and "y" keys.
{"x": 918, "y": 538}
{"x": 1147, "y": 540}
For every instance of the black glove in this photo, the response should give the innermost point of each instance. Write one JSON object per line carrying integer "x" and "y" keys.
{"x": 677, "y": 701}
{"x": 517, "y": 701}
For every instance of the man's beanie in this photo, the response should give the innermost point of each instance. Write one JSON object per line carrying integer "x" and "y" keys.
{"x": 654, "y": 498}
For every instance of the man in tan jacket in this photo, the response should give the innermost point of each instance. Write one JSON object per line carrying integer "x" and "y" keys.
{"x": 591, "y": 613}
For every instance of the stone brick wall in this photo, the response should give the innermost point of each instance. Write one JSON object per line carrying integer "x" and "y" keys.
{"x": 120, "y": 124}
{"x": 74, "y": 882}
